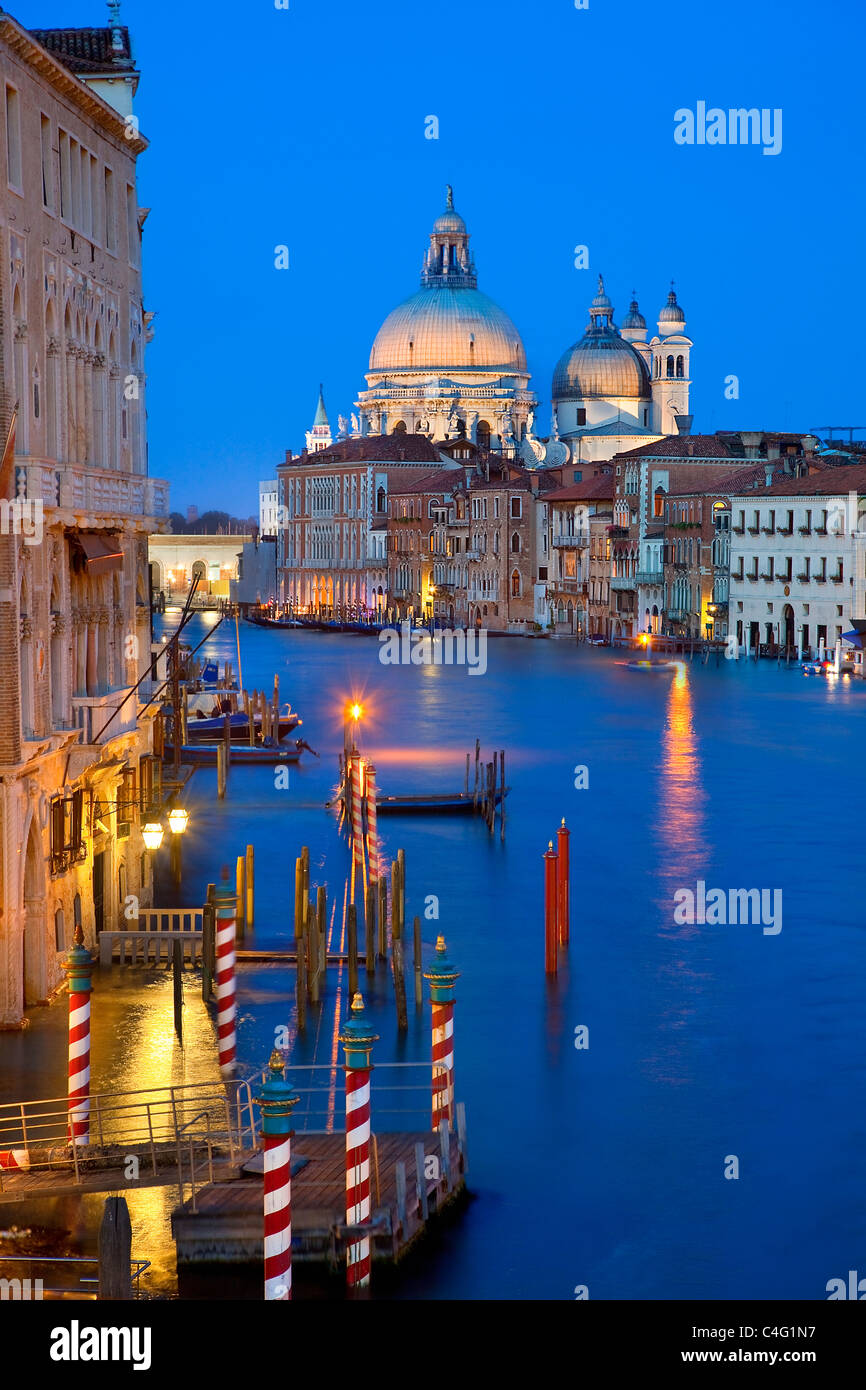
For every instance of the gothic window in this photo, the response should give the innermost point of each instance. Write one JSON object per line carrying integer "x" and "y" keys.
{"x": 515, "y": 544}
{"x": 380, "y": 499}
{"x": 515, "y": 583}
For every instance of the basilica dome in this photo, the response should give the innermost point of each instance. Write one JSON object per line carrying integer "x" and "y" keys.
{"x": 444, "y": 328}
{"x": 448, "y": 325}
{"x": 601, "y": 364}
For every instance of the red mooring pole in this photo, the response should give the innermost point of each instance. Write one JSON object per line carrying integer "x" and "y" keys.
{"x": 562, "y": 839}
{"x": 550, "y": 897}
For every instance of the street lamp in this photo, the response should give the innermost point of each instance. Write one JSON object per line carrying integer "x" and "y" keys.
{"x": 178, "y": 819}
{"x": 354, "y": 712}
{"x": 152, "y": 834}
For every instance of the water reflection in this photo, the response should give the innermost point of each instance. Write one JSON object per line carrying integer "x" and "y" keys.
{"x": 682, "y": 860}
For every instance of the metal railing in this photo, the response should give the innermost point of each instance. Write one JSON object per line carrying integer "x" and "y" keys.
{"x": 152, "y": 1125}
{"x": 137, "y": 1268}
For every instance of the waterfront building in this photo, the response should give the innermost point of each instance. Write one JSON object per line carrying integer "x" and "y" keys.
{"x": 685, "y": 464}
{"x": 213, "y": 560}
{"x": 613, "y": 391}
{"x": 448, "y": 362}
{"x": 76, "y": 771}
{"x": 332, "y": 503}
{"x": 427, "y": 540}
{"x": 570, "y": 581}
{"x": 256, "y": 581}
{"x": 598, "y": 606}
{"x": 798, "y": 559}
{"x": 269, "y": 501}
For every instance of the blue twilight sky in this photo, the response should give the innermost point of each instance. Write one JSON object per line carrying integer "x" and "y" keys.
{"x": 306, "y": 127}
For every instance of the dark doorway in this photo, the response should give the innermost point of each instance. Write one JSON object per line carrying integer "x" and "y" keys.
{"x": 789, "y": 638}
{"x": 99, "y": 891}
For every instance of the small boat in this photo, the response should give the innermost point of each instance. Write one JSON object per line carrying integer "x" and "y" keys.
{"x": 647, "y": 665}
{"x": 203, "y": 725}
{"x": 818, "y": 668}
{"x": 453, "y": 802}
{"x": 205, "y": 754}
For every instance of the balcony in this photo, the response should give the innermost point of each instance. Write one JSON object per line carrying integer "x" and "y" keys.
{"x": 92, "y": 713}
{"x": 622, "y": 581}
{"x": 753, "y": 530}
{"x": 649, "y": 577}
{"x": 738, "y": 530}
{"x": 768, "y": 530}
{"x": 820, "y": 530}
{"x": 805, "y": 530}
{"x": 752, "y": 578}
{"x": 837, "y": 579}
{"x": 819, "y": 578}
{"x": 400, "y": 590}
{"x": 786, "y": 531}
{"x": 458, "y": 524}
{"x": 803, "y": 578}
{"x": 101, "y": 492}
{"x": 768, "y": 577}
{"x": 678, "y": 615}
{"x": 577, "y": 541}
{"x": 472, "y": 554}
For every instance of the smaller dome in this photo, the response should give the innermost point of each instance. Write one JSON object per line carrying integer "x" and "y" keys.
{"x": 449, "y": 222}
{"x": 601, "y": 300}
{"x": 672, "y": 313}
{"x": 634, "y": 318}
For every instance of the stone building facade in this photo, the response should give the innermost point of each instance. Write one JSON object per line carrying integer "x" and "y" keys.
{"x": 77, "y": 504}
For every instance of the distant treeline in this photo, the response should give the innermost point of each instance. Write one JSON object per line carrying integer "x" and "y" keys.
{"x": 213, "y": 524}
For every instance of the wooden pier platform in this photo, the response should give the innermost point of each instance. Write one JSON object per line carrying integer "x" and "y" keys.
{"x": 223, "y": 1223}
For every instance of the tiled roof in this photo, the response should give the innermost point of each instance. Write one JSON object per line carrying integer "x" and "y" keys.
{"x": 750, "y": 477}
{"x": 602, "y": 487}
{"x": 86, "y": 51}
{"x": 376, "y": 448}
{"x": 443, "y": 480}
{"x": 829, "y": 482}
{"x": 678, "y": 446}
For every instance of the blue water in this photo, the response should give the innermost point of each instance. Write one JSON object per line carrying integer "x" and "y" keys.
{"x": 604, "y": 1166}
{"x": 601, "y": 1167}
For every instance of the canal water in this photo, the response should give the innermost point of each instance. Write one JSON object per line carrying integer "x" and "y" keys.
{"x": 711, "y": 1048}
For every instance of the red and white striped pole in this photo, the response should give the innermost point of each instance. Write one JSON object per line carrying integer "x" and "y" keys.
{"x": 357, "y": 810}
{"x": 79, "y": 968}
{"x": 226, "y": 909}
{"x": 442, "y": 977}
{"x": 277, "y": 1100}
{"x": 357, "y": 1039}
{"x": 562, "y": 839}
{"x": 15, "y": 1158}
{"x": 372, "y": 827}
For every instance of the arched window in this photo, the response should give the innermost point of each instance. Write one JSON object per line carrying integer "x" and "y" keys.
{"x": 680, "y": 366}
{"x": 482, "y": 434}
{"x": 400, "y": 427}
{"x": 515, "y": 544}
{"x": 515, "y": 583}
{"x": 59, "y": 930}
{"x": 670, "y": 366}
{"x": 380, "y": 499}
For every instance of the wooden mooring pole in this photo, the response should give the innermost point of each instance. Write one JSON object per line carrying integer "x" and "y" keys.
{"x": 416, "y": 960}
{"x": 115, "y": 1251}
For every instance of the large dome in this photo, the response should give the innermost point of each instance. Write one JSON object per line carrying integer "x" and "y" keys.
{"x": 602, "y": 364}
{"x": 445, "y": 327}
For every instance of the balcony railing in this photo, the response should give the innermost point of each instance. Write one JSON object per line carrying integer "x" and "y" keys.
{"x": 472, "y": 554}
{"x": 92, "y": 713}
{"x": 622, "y": 581}
{"x": 649, "y": 577}
{"x": 76, "y": 487}
{"x": 578, "y": 540}
{"x": 803, "y": 578}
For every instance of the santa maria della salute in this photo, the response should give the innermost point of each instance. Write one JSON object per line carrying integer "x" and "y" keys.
{"x": 449, "y": 363}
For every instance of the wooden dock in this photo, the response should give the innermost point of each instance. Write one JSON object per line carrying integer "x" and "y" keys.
{"x": 223, "y": 1222}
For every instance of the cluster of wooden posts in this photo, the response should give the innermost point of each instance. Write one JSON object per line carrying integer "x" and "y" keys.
{"x": 381, "y": 910}
{"x": 489, "y": 788}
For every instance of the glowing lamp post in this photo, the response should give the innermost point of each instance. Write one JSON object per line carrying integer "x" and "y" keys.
{"x": 152, "y": 835}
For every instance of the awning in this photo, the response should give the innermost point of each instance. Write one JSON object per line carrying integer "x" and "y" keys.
{"x": 855, "y": 638}
{"x": 102, "y": 552}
